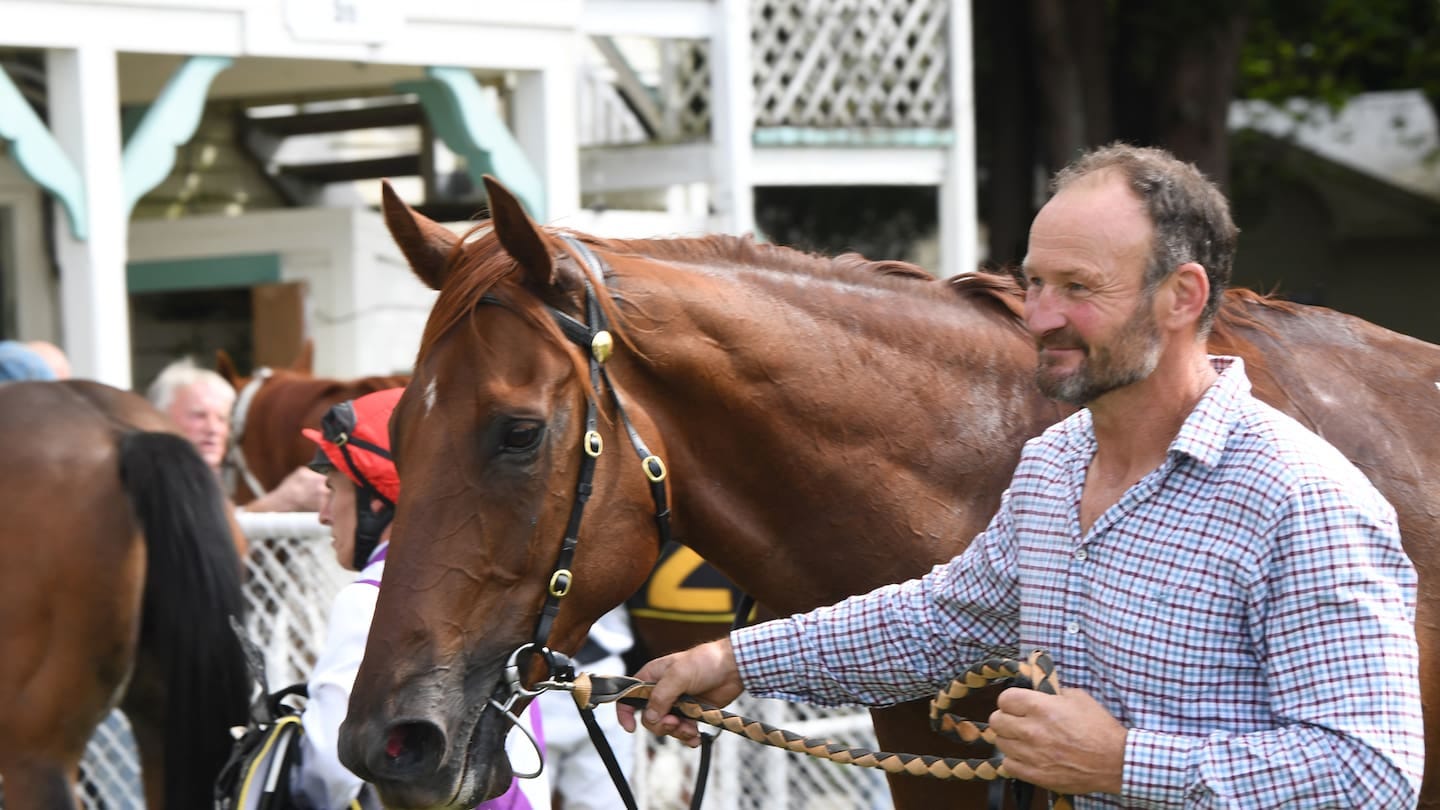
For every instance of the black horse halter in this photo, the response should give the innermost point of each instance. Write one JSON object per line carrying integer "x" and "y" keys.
{"x": 595, "y": 339}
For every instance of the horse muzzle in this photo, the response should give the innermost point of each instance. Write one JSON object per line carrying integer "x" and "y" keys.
{"x": 418, "y": 761}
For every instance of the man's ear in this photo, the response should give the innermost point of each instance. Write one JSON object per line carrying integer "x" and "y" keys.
{"x": 1188, "y": 291}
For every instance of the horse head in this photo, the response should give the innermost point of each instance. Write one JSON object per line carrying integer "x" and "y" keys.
{"x": 500, "y": 438}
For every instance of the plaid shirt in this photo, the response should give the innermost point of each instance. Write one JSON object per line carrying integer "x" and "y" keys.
{"x": 1246, "y": 610}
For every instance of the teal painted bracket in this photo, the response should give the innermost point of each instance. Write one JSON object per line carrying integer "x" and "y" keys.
{"x": 39, "y": 155}
{"x": 167, "y": 125}
{"x": 470, "y": 125}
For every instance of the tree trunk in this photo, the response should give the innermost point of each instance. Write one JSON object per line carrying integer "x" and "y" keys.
{"x": 1005, "y": 128}
{"x": 1193, "y": 107}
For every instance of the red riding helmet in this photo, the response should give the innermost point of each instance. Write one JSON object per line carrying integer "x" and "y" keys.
{"x": 354, "y": 438}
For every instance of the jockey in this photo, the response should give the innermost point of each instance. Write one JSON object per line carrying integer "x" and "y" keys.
{"x": 362, "y": 488}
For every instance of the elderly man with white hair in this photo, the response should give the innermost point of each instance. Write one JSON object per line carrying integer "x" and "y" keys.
{"x": 199, "y": 401}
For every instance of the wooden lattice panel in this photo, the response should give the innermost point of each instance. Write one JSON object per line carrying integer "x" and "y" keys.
{"x": 687, "y": 89}
{"x": 851, "y": 63}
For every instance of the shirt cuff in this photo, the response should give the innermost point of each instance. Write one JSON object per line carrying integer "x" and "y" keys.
{"x": 1159, "y": 768}
{"x": 765, "y": 655}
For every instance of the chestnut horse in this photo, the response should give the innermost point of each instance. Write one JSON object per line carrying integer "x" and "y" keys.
{"x": 829, "y": 426}
{"x": 271, "y": 406}
{"x": 120, "y": 578}
{"x": 685, "y": 602}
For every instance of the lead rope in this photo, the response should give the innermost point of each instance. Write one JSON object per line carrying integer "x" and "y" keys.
{"x": 1036, "y": 672}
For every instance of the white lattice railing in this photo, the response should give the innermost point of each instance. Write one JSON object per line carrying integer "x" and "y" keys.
{"x": 292, "y": 580}
{"x": 817, "y": 65}
{"x": 851, "y": 63}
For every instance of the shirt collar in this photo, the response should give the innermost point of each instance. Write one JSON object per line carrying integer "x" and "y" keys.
{"x": 1207, "y": 428}
{"x": 379, "y": 553}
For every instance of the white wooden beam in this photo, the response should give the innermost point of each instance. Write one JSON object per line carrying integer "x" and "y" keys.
{"x": 662, "y": 19}
{"x": 732, "y": 123}
{"x": 622, "y": 168}
{"x": 94, "y": 304}
{"x": 849, "y": 166}
{"x": 959, "y": 212}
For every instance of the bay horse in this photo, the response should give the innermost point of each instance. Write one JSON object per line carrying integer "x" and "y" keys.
{"x": 120, "y": 577}
{"x": 828, "y": 425}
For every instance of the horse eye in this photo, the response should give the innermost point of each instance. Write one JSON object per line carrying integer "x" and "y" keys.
{"x": 521, "y": 437}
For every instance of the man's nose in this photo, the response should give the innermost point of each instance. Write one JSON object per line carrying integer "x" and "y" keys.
{"x": 1042, "y": 312}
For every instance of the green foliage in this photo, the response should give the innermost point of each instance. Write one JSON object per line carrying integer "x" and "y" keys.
{"x": 1330, "y": 50}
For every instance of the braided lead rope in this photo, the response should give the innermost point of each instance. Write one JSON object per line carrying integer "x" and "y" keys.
{"x": 1038, "y": 672}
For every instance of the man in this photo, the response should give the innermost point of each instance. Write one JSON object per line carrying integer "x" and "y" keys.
{"x": 200, "y": 401}
{"x": 18, "y": 361}
{"x": 362, "y": 487}
{"x": 53, "y": 356}
{"x": 1212, "y": 579}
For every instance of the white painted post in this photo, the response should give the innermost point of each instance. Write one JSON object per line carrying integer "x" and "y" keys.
{"x": 94, "y": 309}
{"x": 732, "y": 120}
{"x": 546, "y": 126}
{"x": 959, "y": 216}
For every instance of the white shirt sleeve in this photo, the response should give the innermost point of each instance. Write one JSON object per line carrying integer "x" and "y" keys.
{"x": 321, "y": 780}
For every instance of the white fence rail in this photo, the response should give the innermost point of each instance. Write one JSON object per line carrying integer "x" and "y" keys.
{"x": 292, "y": 580}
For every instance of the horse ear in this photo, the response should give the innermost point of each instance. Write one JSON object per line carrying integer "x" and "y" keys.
{"x": 519, "y": 234}
{"x": 305, "y": 362}
{"x": 425, "y": 243}
{"x": 225, "y": 367}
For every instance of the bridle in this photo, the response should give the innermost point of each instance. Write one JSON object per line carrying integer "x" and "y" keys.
{"x": 235, "y": 456}
{"x": 594, "y": 337}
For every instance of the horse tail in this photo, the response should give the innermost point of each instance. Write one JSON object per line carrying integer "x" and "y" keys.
{"x": 192, "y": 587}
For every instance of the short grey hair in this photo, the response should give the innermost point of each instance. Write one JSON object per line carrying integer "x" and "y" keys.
{"x": 183, "y": 373}
{"x": 1189, "y": 213}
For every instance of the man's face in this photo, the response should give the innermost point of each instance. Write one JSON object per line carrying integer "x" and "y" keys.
{"x": 337, "y": 510}
{"x": 204, "y": 418}
{"x": 1085, "y": 301}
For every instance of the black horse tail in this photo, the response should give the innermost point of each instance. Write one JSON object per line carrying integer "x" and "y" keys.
{"x": 192, "y": 587}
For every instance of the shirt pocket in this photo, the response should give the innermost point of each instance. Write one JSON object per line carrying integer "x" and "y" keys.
{"x": 1182, "y": 649}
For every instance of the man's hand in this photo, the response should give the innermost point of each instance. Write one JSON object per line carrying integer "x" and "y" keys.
{"x": 1067, "y": 743}
{"x": 707, "y": 672}
{"x": 301, "y": 491}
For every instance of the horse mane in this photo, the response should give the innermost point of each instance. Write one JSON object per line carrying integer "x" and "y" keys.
{"x": 480, "y": 264}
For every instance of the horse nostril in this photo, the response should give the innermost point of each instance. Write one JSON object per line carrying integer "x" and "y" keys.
{"x": 413, "y": 748}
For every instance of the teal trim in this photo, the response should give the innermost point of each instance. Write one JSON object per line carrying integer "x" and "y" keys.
{"x": 39, "y": 155}
{"x": 470, "y": 125}
{"x": 873, "y": 137}
{"x": 214, "y": 272}
{"x": 168, "y": 124}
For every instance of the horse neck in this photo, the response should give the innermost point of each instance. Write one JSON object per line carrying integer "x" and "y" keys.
{"x": 878, "y": 422}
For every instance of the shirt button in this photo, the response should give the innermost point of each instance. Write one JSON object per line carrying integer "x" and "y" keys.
{"x": 1072, "y": 627}
{"x": 1082, "y": 555}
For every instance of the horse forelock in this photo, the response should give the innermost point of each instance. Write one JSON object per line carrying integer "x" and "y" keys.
{"x": 482, "y": 267}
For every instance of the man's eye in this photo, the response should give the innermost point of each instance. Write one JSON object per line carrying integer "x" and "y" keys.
{"x": 521, "y": 437}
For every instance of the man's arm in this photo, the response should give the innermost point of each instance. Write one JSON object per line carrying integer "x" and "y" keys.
{"x": 301, "y": 491}
{"x": 892, "y": 644}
